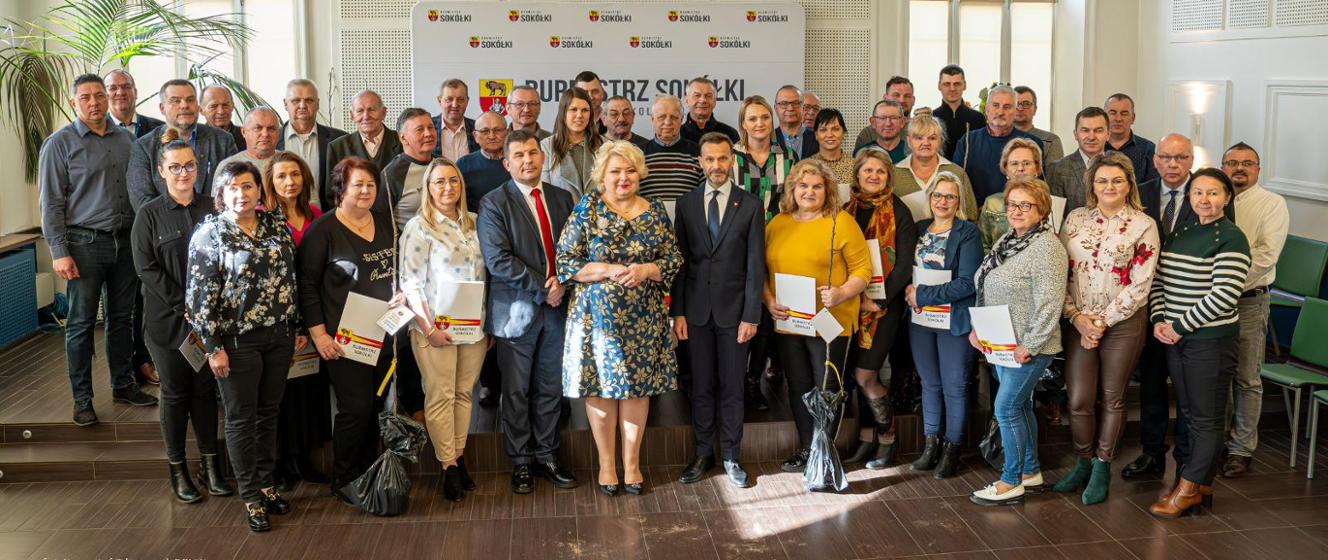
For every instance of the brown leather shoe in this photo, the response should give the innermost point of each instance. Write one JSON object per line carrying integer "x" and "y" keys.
{"x": 148, "y": 373}
{"x": 1180, "y": 501}
{"x": 1236, "y": 466}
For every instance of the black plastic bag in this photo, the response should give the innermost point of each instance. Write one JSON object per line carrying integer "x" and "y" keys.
{"x": 384, "y": 489}
{"x": 824, "y": 470}
{"x": 993, "y": 452}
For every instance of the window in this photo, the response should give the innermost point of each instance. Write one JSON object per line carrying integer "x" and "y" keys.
{"x": 980, "y": 41}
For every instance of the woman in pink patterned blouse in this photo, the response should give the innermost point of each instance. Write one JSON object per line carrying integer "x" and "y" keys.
{"x": 1113, "y": 249}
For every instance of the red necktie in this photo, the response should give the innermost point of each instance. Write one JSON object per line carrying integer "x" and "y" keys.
{"x": 546, "y": 231}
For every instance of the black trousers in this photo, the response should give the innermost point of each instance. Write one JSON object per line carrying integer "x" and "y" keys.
{"x": 410, "y": 387}
{"x": 761, "y": 349}
{"x": 804, "y": 360}
{"x": 1202, "y": 370}
{"x": 251, "y": 394}
{"x": 142, "y": 353}
{"x": 187, "y": 395}
{"x": 1155, "y": 403}
{"x": 718, "y": 364}
{"x": 355, "y": 424}
{"x": 532, "y": 366}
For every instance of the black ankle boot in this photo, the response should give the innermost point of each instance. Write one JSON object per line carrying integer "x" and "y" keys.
{"x": 467, "y": 483}
{"x": 885, "y": 457}
{"x": 183, "y": 486}
{"x": 931, "y": 453}
{"x": 862, "y": 453}
{"x": 213, "y": 476}
{"x": 451, "y": 485}
{"x": 949, "y": 461}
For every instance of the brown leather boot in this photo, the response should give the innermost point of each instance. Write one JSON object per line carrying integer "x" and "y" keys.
{"x": 1179, "y": 501}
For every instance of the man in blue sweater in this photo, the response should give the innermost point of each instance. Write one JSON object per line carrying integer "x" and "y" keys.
{"x": 979, "y": 151}
{"x": 483, "y": 169}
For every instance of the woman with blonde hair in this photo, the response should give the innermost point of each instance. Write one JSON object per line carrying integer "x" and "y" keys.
{"x": 922, "y": 167}
{"x": 812, "y": 237}
{"x": 1020, "y": 158}
{"x": 618, "y": 256}
{"x": 439, "y": 248}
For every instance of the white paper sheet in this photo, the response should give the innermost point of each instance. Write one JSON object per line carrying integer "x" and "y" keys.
{"x": 876, "y": 287}
{"x": 671, "y": 208}
{"x": 996, "y": 334}
{"x": 1057, "y": 213}
{"x": 192, "y": 349}
{"x": 395, "y": 318}
{"x": 359, "y": 335}
{"x": 845, "y": 192}
{"x": 917, "y": 205}
{"x": 933, "y": 316}
{"x": 461, "y": 312}
{"x": 798, "y": 293}
{"x": 826, "y": 325}
{"x": 304, "y": 362}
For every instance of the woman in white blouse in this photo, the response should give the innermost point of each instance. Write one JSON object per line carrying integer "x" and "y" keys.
{"x": 439, "y": 248}
{"x": 1113, "y": 249}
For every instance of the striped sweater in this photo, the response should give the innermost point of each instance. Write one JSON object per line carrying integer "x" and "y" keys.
{"x": 1200, "y": 278}
{"x": 671, "y": 171}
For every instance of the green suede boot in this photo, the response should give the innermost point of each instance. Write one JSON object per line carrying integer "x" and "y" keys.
{"x": 1077, "y": 478}
{"x": 1098, "y": 483}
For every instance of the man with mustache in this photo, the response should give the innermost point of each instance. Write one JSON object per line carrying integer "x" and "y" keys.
{"x": 618, "y": 118}
{"x": 1066, "y": 175}
{"x": 179, "y": 104}
{"x": 1264, "y": 220}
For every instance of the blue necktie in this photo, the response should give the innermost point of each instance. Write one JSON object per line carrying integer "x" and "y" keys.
{"x": 712, "y": 218}
{"x": 1169, "y": 213}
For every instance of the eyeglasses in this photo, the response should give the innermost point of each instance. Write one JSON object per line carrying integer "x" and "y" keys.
{"x": 1247, "y": 163}
{"x": 1022, "y": 207}
{"x": 1025, "y": 105}
{"x": 1117, "y": 182}
{"x": 1169, "y": 159}
{"x": 488, "y": 131}
{"x": 816, "y": 108}
{"x": 946, "y": 197}
{"x": 523, "y": 104}
{"x": 788, "y": 104}
{"x": 178, "y": 170}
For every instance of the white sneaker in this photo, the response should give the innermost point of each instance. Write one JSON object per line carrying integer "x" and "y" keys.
{"x": 989, "y": 496}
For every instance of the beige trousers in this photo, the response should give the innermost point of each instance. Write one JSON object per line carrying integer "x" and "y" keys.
{"x": 448, "y": 374}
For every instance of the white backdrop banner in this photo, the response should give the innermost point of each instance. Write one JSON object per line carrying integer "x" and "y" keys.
{"x": 638, "y": 50}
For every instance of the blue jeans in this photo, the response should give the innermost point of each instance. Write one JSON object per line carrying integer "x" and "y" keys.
{"x": 1014, "y": 414}
{"x": 945, "y": 363}
{"x": 105, "y": 269}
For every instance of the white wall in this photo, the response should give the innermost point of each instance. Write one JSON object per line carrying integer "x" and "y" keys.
{"x": 18, "y": 199}
{"x": 1250, "y": 64}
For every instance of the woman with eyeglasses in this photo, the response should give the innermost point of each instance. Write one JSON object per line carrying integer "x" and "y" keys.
{"x": 1021, "y": 157}
{"x": 943, "y": 357}
{"x": 160, "y": 241}
{"x": 1113, "y": 246}
{"x": 1025, "y": 271}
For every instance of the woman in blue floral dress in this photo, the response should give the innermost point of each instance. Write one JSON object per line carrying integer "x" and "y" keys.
{"x": 620, "y": 257}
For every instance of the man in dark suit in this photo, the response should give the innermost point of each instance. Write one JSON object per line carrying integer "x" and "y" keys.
{"x": 456, "y": 133}
{"x": 123, "y": 94}
{"x": 218, "y": 107}
{"x": 716, "y": 303}
{"x": 179, "y": 103}
{"x": 791, "y": 134}
{"x": 1165, "y": 202}
{"x": 303, "y": 134}
{"x": 371, "y": 140}
{"x": 519, "y": 225}
{"x": 1065, "y": 176}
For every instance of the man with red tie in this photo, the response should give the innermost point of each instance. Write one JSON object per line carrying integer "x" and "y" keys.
{"x": 519, "y": 224}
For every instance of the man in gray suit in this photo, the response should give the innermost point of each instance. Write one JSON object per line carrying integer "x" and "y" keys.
{"x": 179, "y": 104}
{"x": 519, "y": 225}
{"x": 1066, "y": 175}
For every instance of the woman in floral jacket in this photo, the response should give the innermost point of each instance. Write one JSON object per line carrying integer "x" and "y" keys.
{"x": 1113, "y": 249}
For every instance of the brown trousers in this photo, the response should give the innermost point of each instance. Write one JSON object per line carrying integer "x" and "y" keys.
{"x": 1103, "y": 372}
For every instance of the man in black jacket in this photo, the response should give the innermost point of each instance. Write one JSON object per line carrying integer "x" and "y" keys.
{"x": 716, "y": 304}
{"x": 371, "y": 139}
{"x": 123, "y": 93}
{"x": 304, "y": 135}
{"x": 179, "y": 103}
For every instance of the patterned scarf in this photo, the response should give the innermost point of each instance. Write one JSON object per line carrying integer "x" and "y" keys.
{"x": 1007, "y": 246}
{"x": 880, "y": 227}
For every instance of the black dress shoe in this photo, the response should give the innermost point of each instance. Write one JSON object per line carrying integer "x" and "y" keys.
{"x": 489, "y": 399}
{"x": 522, "y": 483}
{"x": 737, "y": 476}
{"x": 555, "y": 473}
{"x": 635, "y": 488}
{"x": 467, "y": 483}
{"x": 213, "y": 476}
{"x": 696, "y": 469}
{"x": 84, "y": 415}
{"x": 862, "y": 453}
{"x": 609, "y": 490}
{"x": 257, "y": 517}
{"x": 308, "y": 472}
{"x": 133, "y": 396}
{"x": 274, "y": 503}
{"x": 796, "y": 462}
{"x": 451, "y": 485}
{"x": 1145, "y": 464}
{"x": 756, "y": 398}
{"x": 182, "y": 485}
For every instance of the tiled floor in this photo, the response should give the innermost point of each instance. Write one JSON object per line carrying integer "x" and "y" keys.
{"x": 1275, "y": 513}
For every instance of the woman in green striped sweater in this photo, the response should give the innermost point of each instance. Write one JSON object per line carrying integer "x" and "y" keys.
{"x": 1193, "y": 311}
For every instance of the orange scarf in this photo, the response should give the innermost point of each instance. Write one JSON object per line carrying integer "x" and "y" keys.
{"x": 880, "y": 227}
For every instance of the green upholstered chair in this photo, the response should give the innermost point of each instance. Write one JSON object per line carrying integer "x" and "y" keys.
{"x": 1308, "y": 349}
{"x": 1299, "y": 274}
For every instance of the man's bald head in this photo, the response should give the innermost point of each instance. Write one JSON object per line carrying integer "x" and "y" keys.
{"x": 490, "y": 132}
{"x": 1174, "y": 158}
{"x": 218, "y": 106}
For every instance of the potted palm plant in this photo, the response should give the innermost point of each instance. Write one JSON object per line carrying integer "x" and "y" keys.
{"x": 38, "y": 59}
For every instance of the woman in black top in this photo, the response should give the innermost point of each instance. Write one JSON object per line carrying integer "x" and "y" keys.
{"x": 349, "y": 250}
{"x": 885, "y": 218}
{"x": 160, "y": 241}
{"x": 241, "y": 303}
